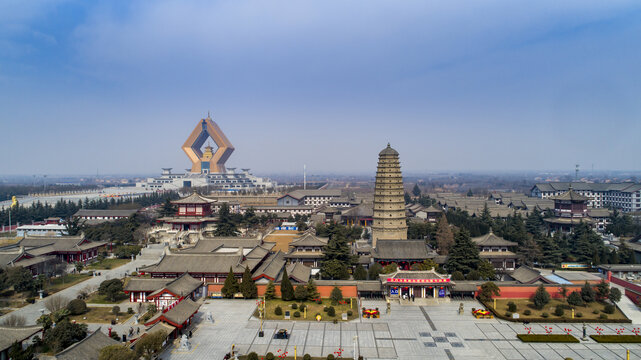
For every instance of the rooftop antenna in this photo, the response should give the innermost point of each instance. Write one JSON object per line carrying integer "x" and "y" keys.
{"x": 304, "y": 176}
{"x": 576, "y": 172}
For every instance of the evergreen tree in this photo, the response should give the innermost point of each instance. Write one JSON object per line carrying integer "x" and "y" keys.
{"x": 230, "y": 287}
{"x": 541, "y": 297}
{"x": 615, "y": 295}
{"x": 389, "y": 268}
{"x": 360, "y": 273}
{"x": 602, "y": 290}
{"x": 488, "y": 291}
{"x": 270, "y": 290}
{"x": 416, "y": 190}
{"x": 464, "y": 255}
{"x": 486, "y": 217}
{"x": 167, "y": 209}
{"x": 551, "y": 254}
{"x": 587, "y": 293}
{"x": 300, "y": 293}
{"x": 374, "y": 270}
{"x": 444, "y": 236}
{"x": 457, "y": 275}
{"x": 334, "y": 269}
{"x": 286, "y": 288}
{"x": 575, "y": 299}
{"x": 248, "y": 287}
{"x": 530, "y": 251}
{"x": 534, "y": 222}
{"x": 486, "y": 270}
{"x": 312, "y": 291}
{"x": 226, "y": 225}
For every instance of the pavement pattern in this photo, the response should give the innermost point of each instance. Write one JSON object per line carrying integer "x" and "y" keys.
{"x": 408, "y": 332}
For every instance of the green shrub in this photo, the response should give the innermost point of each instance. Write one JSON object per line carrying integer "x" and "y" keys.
{"x": 349, "y": 313}
{"x": 603, "y": 316}
{"x": 252, "y": 356}
{"x": 296, "y": 314}
{"x": 331, "y": 311}
{"x": 545, "y": 315}
{"x": 609, "y": 309}
{"x": 77, "y": 307}
{"x": 31, "y": 300}
{"x": 578, "y": 314}
{"x": 527, "y": 312}
{"x": 508, "y": 314}
{"x": 307, "y": 357}
{"x": 130, "y": 311}
{"x": 330, "y": 357}
{"x": 269, "y": 356}
{"x": 294, "y": 306}
{"x": 115, "y": 310}
{"x": 278, "y": 311}
{"x": 302, "y": 307}
{"x": 558, "y": 311}
{"x": 325, "y": 308}
{"x": 511, "y": 306}
{"x": 319, "y": 302}
{"x": 595, "y": 312}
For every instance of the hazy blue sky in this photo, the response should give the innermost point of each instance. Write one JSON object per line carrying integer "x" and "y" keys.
{"x": 467, "y": 85}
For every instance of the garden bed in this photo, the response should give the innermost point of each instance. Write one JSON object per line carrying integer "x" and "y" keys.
{"x": 312, "y": 309}
{"x": 63, "y": 282}
{"x": 100, "y": 315}
{"x": 536, "y": 316}
{"x": 552, "y": 338}
{"x": 299, "y": 357}
{"x": 96, "y": 298}
{"x": 616, "y": 338}
{"x": 107, "y": 264}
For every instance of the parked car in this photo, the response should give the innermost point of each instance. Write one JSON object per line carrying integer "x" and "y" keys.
{"x": 281, "y": 334}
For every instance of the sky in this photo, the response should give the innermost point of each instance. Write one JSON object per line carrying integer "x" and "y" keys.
{"x": 116, "y": 87}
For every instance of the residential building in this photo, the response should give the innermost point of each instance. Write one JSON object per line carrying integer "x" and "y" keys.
{"x": 624, "y": 196}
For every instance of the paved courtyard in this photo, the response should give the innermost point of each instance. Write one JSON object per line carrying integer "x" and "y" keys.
{"x": 408, "y": 332}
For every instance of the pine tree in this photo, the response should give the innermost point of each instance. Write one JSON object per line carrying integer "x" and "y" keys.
{"x": 530, "y": 251}
{"x": 300, "y": 293}
{"x": 534, "y": 222}
{"x": 248, "y": 287}
{"x": 486, "y": 270}
{"x": 444, "y": 236}
{"x": 541, "y": 297}
{"x": 230, "y": 287}
{"x": 225, "y": 225}
{"x": 360, "y": 273}
{"x": 270, "y": 290}
{"x": 312, "y": 292}
{"x": 486, "y": 217}
{"x": 416, "y": 190}
{"x": 286, "y": 288}
{"x": 464, "y": 255}
{"x": 374, "y": 270}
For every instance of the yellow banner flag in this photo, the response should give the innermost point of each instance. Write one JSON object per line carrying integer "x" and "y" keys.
{"x": 14, "y": 201}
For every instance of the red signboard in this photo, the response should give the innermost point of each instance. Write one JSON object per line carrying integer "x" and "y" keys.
{"x": 418, "y": 281}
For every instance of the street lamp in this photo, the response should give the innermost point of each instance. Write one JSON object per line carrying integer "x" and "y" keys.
{"x": 355, "y": 339}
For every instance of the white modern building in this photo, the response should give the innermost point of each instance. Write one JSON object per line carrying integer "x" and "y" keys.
{"x": 623, "y": 196}
{"x": 227, "y": 181}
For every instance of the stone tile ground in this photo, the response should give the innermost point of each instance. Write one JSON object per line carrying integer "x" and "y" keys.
{"x": 408, "y": 332}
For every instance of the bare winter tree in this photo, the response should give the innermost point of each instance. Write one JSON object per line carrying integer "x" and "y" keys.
{"x": 14, "y": 320}
{"x": 55, "y": 303}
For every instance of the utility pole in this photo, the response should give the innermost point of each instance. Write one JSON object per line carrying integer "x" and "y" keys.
{"x": 305, "y": 177}
{"x": 576, "y": 172}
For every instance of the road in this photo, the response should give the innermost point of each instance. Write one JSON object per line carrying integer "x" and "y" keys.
{"x": 33, "y": 311}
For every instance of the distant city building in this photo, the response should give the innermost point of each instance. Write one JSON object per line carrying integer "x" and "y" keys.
{"x": 623, "y": 196}
{"x": 97, "y": 216}
{"x": 389, "y": 202}
{"x": 315, "y": 197}
{"x": 208, "y": 167}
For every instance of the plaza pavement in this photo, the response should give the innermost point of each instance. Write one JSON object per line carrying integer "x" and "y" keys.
{"x": 408, "y": 332}
{"x": 32, "y": 312}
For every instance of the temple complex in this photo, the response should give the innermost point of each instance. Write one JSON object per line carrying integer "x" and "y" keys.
{"x": 389, "y": 203}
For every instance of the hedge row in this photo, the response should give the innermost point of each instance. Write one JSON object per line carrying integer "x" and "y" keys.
{"x": 555, "y": 319}
{"x": 552, "y": 338}
{"x": 616, "y": 338}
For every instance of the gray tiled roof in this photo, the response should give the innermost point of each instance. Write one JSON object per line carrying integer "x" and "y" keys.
{"x": 401, "y": 250}
{"x": 104, "y": 213}
{"x": 491, "y": 239}
{"x": 144, "y": 284}
{"x": 87, "y": 348}
{"x": 298, "y": 272}
{"x": 308, "y": 239}
{"x": 9, "y": 335}
{"x": 183, "y": 285}
{"x": 197, "y": 263}
{"x": 194, "y": 199}
{"x": 271, "y": 267}
{"x": 208, "y": 245}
